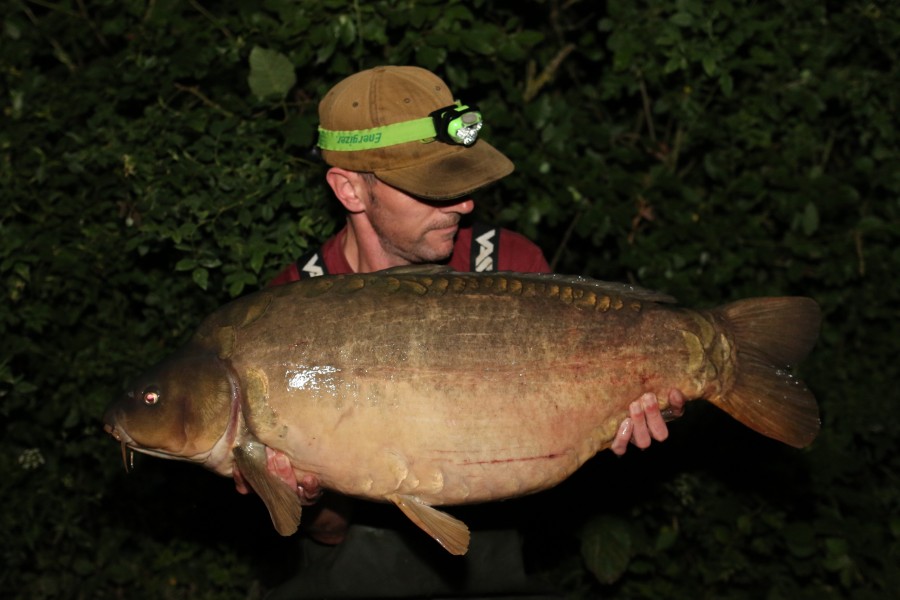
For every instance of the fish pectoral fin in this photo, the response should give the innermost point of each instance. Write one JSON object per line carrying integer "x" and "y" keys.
{"x": 282, "y": 501}
{"x": 450, "y": 532}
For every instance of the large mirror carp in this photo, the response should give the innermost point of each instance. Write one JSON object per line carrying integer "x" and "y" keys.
{"x": 425, "y": 387}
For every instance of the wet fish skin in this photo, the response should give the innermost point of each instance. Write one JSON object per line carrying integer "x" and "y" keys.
{"x": 424, "y": 387}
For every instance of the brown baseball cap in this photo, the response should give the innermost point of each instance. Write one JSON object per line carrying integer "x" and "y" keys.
{"x": 362, "y": 104}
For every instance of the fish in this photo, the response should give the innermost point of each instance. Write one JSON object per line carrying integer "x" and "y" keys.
{"x": 426, "y": 388}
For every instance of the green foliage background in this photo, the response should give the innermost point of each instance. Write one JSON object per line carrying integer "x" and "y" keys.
{"x": 154, "y": 162}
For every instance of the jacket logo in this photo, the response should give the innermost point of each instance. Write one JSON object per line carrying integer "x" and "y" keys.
{"x": 485, "y": 259}
{"x": 311, "y": 268}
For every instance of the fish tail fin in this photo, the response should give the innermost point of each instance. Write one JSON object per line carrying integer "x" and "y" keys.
{"x": 770, "y": 336}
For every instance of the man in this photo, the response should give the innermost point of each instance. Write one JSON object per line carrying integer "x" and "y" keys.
{"x": 404, "y": 159}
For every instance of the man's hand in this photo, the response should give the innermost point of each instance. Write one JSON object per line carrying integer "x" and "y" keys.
{"x": 646, "y": 422}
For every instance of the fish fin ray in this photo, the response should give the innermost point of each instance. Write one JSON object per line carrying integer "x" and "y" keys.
{"x": 282, "y": 502}
{"x": 771, "y": 335}
{"x": 783, "y": 329}
{"x": 450, "y": 532}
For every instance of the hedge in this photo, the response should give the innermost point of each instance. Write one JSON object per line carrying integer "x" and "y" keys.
{"x": 156, "y": 160}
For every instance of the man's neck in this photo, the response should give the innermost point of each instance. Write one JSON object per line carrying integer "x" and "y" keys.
{"x": 362, "y": 249}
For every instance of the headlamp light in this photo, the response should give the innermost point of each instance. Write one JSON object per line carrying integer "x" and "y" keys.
{"x": 457, "y": 124}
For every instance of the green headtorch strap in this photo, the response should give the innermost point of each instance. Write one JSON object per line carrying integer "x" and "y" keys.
{"x": 456, "y": 124}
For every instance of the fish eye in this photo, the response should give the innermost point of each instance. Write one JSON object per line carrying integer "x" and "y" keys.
{"x": 151, "y": 396}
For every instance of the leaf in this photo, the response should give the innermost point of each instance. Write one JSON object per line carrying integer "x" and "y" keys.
{"x": 726, "y": 84}
{"x": 429, "y": 57}
{"x": 201, "y": 277}
{"x": 667, "y": 537}
{"x": 480, "y": 41}
{"x": 607, "y": 547}
{"x": 682, "y": 19}
{"x": 801, "y": 540}
{"x": 527, "y": 38}
{"x": 185, "y": 264}
{"x": 257, "y": 258}
{"x": 810, "y": 220}
{"x": 271, "y": 74}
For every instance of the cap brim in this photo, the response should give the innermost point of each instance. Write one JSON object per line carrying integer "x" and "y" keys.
{"x": 450, "y": 175}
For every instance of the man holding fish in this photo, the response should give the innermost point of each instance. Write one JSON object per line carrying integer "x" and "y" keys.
{"x": 421, "y": 386}
{"x": 404, "y": 159}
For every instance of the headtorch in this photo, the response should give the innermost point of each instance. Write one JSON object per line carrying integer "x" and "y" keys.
{"x": 457, "y": 124}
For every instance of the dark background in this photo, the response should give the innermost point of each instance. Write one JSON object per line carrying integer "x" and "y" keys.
{"x": 150, "y": 170}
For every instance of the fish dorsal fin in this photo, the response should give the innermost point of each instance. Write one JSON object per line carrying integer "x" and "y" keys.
{"x": 426, "y": 269}
{"x": 450, "y": 532}
{"x": 599, "y": 286}
{"x": 625, "y": 290}
{"x": 282, "y": 501}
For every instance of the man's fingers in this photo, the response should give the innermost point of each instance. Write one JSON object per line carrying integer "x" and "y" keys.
{"x": 655, "y": 422}
{"x": 279, "y": 464}
{"x": 640, "y": 435}
{"x": 646, "y": 422}
{"x": 675, "y": 409}
{"x": 309, "y": 489}
{"x": 623, "y": 437}
{"x": 676, "y": 402}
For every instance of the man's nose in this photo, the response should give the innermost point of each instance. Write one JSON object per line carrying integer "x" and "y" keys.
{"x": 462, "y": 207}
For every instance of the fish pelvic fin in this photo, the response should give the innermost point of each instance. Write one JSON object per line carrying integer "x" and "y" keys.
{"x": 282, "y": 502}
{"x": 771, "y": 335}
{"x": 450, "y": 532}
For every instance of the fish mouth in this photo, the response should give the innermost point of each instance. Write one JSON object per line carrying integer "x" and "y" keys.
{"x": 129, "y": 446}
{"x": 113, "y": 431}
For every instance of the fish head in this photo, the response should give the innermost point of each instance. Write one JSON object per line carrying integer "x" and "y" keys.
{"x": 183, "y": 408}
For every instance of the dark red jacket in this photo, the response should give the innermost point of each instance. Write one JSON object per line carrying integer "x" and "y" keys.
{"x": 477, "y": 248}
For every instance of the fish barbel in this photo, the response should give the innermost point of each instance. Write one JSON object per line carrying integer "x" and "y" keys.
{"x": 426, "y": 387}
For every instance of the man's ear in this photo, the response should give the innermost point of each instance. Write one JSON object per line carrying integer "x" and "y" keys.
{"x": 349, "y": 188}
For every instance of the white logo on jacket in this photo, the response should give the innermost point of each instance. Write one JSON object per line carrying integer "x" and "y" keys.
{"x": 485, "y": 261}
{"x": 311, "y": 267}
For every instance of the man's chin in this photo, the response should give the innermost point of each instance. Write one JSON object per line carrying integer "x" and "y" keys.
{"x": 436, "y": 254}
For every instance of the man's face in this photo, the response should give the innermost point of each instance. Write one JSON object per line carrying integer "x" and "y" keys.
{"x": 412, "y": 229}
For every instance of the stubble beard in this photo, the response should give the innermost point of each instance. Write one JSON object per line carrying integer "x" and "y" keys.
{"x": 418, "y": 250}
